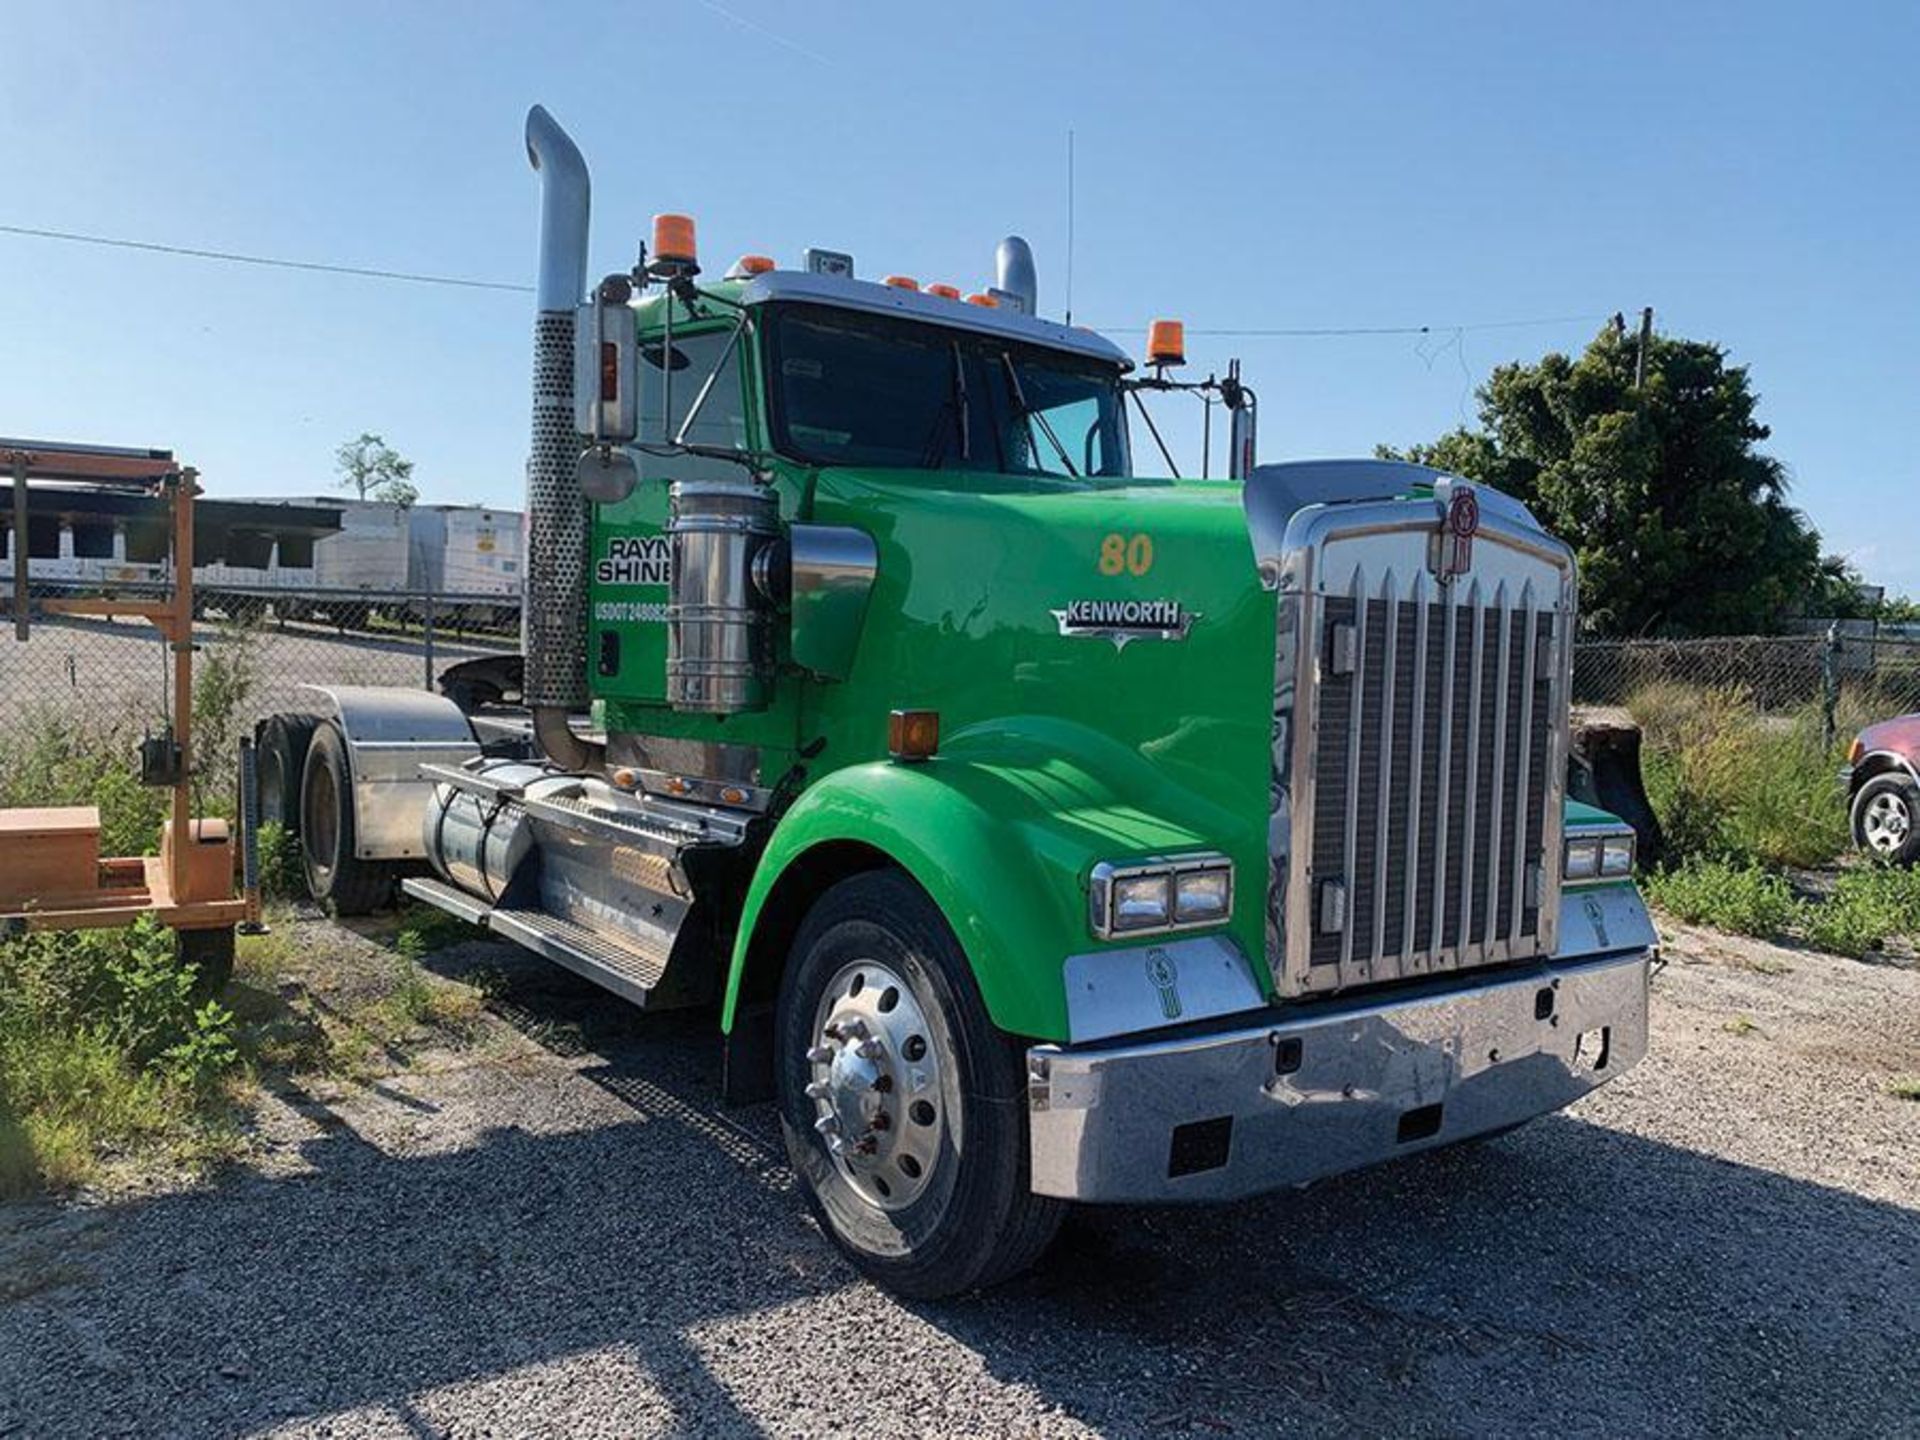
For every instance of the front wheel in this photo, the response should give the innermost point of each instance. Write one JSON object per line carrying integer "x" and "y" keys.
{"x": 1886, "y": 819}
{"x": 903, "y": 1108}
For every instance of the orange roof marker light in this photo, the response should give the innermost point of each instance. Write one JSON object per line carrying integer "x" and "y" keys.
{"x": 986, "y": 302}
{"x": 945, "y": 292}
{"x": 748, "y": 266}
{"x": 674, "y": 252}
{"x": 902, "y": 282}
{"x": 1166, "y": 343}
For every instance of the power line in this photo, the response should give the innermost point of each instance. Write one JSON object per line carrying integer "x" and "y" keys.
{"x": 1317, "y": 331}
{"x": 233, "y": 257}
{"x": 469, "y": 283}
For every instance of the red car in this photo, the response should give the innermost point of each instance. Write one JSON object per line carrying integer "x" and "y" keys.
{"x": 1883, "y": 789}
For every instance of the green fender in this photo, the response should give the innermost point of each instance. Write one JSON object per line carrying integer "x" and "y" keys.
{"x": 1001, "y": 830}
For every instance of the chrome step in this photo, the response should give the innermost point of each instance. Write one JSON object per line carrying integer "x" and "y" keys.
{"x": 440, "y": 895}
{"x": 619, "y": 968}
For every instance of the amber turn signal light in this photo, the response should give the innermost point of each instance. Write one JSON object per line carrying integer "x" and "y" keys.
{"x": 1166, "y": 343}
{"x": 945, "y": 292}
{"x": 753, "y": 265}
{"x": 985, "y": 302}
{"x": 902, "y": 282}
{"x": 913, "y": 734}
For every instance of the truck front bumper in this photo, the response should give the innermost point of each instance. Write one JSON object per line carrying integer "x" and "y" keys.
{"x": 1299, "y": 1095}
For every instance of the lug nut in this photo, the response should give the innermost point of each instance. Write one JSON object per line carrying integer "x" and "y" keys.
{"x": 827, "y": 1125}
{"x": 883, "y": 1083}
{"x": 818, "y": 1090}
{"x": 834, "y": 1030}
{"x": 881, "y": 1120}
{"x": 820, "y": 1054}
{"x": 870, "y": 1050}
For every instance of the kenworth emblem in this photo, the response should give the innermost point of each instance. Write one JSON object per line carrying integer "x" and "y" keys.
{"x": 1165, "y": 976}
{"x": 1452, "y": 552}
{"x": 1124, "y": 620}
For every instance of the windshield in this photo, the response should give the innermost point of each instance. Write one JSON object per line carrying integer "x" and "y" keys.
{"x": 851, "y": 389}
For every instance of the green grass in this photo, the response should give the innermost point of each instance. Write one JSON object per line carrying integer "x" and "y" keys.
{"x": 105, "y": 1046}
{"x": 1743, "y": 898}
{"x": 1906, "y": 1087}
{"x": 1725, "y": 781}
{"x": 1868, "y": 906}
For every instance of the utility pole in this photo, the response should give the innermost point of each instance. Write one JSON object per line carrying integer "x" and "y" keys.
{"x": 1646, "y": 339}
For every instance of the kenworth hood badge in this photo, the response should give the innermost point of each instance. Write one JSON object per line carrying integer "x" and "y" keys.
{"x": 1124, "y": 620}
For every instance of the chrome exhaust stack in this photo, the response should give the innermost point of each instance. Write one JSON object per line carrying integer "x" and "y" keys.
{"x": 1014, "y": 273}
{"x": 554, "y": 624}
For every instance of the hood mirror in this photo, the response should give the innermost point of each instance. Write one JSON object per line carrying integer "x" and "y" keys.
{"x": 607, "y": 476}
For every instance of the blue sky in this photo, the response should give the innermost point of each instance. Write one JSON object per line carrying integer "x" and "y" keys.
{"x": 1747, "y": 170}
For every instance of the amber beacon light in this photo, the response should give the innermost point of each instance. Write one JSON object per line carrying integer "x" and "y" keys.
{"x": 1166, "y": 343}
{"x": 913, "y": 734}
{"x": 673, "y": 247}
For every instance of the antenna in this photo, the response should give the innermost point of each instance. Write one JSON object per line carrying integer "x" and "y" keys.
{"x": 1069, "y": 225}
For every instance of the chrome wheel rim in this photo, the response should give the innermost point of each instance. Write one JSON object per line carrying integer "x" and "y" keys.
{"x": 876, "y": 1077}
{"x": 1886, "y": 822}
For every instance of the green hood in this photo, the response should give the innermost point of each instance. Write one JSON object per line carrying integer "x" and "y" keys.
{"x": 977, "y": 571}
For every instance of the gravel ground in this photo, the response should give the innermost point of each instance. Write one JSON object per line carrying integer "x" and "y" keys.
{"x": 558, "y": 1230}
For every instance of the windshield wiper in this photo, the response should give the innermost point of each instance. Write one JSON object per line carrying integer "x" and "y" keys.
{"x": 958, "y": 403}
{"x": 1028, "y": 415}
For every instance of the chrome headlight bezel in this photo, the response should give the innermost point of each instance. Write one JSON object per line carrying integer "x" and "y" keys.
{"x": 1184, "y": 878}
{"x": 1597, "y": 855}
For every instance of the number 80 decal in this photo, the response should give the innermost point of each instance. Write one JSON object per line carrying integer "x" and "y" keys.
{"x": 1128, "y": 554}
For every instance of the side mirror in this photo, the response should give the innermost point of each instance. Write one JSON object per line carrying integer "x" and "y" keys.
{"x": 606, "y": 376}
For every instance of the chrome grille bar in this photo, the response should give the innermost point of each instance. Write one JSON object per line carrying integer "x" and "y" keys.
{"x": 1356, "y": 730}
{"x": 1390, "y": 630}
{"x": 1416, "y": 771}
{"x": 1529, "y": 659}
{"x": 1444, "y": 778}
{"x": 1477, "y": 622}
{"x": 1496, "y": 813}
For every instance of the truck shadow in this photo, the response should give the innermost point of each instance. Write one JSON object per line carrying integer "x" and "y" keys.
{"x": 1568, "y": 1277}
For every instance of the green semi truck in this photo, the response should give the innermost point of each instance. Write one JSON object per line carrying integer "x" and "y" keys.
{"x": 1040, "y": 832}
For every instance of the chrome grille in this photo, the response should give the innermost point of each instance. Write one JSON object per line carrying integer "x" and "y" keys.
{"x": 1422, "y": 751}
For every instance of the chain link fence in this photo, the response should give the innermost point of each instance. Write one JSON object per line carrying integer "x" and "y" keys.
{"x": 265, "y": 646}
{"x": 1871, "y": 676}
{"x": 77, "y": 680}
{"x": 79, "y": 693}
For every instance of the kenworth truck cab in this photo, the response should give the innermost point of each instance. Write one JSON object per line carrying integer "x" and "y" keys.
{"x": 1043, "y": 833}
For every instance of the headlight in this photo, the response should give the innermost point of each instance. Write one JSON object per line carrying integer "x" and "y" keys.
{"x": 1182, "y": 893}
{"x": 1140, "y": 902}
{"x": 1202, "y": 896}
{"x": 1616, "y": 855}
{"x": 1605, "y": 855}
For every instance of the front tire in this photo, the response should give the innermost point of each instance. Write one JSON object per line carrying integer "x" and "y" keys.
{"x": 903, "y": 1108}
{"x": 1886, "y": 819}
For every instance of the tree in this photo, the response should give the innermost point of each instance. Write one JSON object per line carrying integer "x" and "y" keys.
{"x": 374, "y": 470}
{"x": 1681, "y": 525}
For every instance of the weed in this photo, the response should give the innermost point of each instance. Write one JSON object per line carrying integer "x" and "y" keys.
{"x": 1905, "y": 1087}
{"x": 1742, "y": 1026}
{"x": 282, "y": 874}
{"x": 1725, "y": 781}
{"x": 102, "y": 1046}
{"x": 1743, "y": 898}
{"x": 1868, "y": 906}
